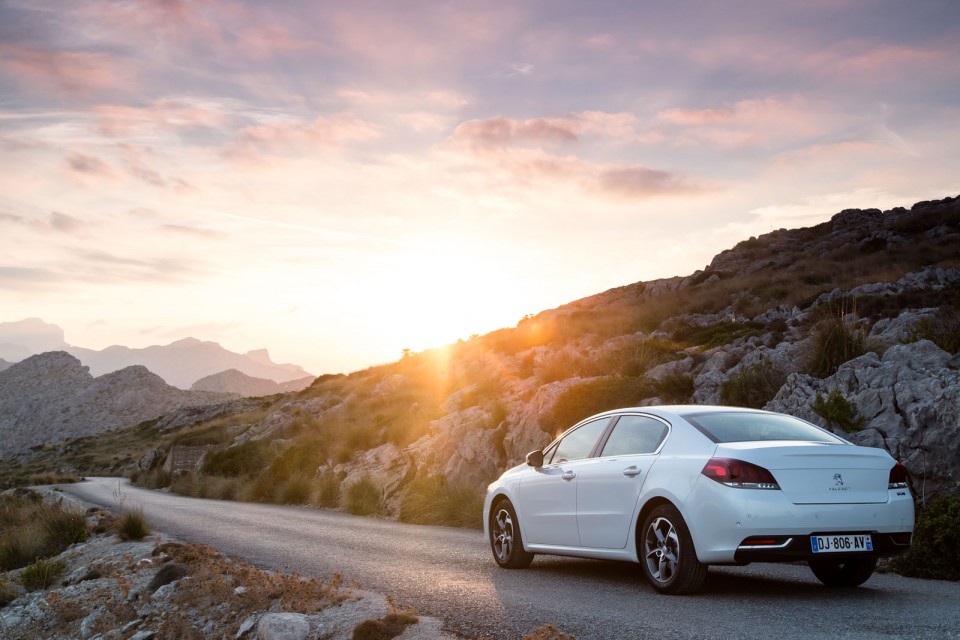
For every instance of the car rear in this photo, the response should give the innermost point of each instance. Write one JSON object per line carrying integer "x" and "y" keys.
{"x": 778, "y": 500}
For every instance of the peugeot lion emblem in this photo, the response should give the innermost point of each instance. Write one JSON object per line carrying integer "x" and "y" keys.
{"x": 837, "y": 480}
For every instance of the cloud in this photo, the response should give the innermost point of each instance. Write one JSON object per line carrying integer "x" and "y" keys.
{"x": 296, "y": 137}
{"x": 193, "y": 231}
{"x": 166, "y": 116}
{"x": 65, "y": 223}
{"x": 501, "y": 131}
{"x": 25, "y": 278}
{"x": 87, "y": 164}
{"x": 75, "y": 73}
{"x": 138, "y": 163}
{"x": 641, "y": 182}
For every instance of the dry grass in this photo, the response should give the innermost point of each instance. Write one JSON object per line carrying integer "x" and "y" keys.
{"x": 31, "y": 529}
{"x": 132, "y": 524}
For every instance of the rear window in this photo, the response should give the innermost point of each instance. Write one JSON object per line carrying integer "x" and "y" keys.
{"x": 753, "y": 427}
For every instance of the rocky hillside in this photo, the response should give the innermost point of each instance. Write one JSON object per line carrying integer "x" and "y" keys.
{"x": 233, "y": 381}
{"x": 52, "y": 397}
{"x": 852, "y": 324}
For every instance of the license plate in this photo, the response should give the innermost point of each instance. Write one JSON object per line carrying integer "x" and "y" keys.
{"x": 843, "y": 543}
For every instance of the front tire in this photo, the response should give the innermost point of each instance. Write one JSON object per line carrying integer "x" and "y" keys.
{"x": 851, "y": 572}
{"x": 667, "y": 554}
{"x": 505, "y": 539}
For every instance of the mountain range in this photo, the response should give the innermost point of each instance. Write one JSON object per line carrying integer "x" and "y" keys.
{"x": 181, "y": 363}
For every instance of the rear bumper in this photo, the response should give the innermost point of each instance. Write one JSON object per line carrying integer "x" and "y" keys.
{"x": 720, "y": 518}
{"x": 791, "y": 548}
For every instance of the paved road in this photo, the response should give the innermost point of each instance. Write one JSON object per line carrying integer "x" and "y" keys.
{"x": 448, "y": 573}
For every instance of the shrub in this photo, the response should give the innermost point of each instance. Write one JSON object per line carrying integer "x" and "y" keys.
{"x": 42, "y": 573}
{"x": 363, "y": 497}
{"x": 294, "y": 490}
{"x": 153, "y": 479}
{"x": 716, "y": 335}
{"x": 838, "y": 411}
{"x": 31, "y": 529}
{"x": 752, "y": 386}
{"x": 7, "y": 594}
{"x": 132, "y": 524}
{"x": 943, "y": 329}
{"x": 19, "y": 547}
{"x": 326, "y": 490}
{"x": 593, "y": 396}
{"x": 242, "y": 460}
{"x": 64, "y": 527}
{"x": 935, "y": 553}
{"x": 674, "y": 388}
{"x": 834, "y": 342}
{"x": 433, "y": 501}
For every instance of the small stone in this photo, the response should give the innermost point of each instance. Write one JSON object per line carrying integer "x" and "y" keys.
{"x": 245, "y": 626}
{"x": 143, "y": 635}
{"x": 239, "y": 591}
{"x": 283, "y": 626}
{"x": 168, "y": 573}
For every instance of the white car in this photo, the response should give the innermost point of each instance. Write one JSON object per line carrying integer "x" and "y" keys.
{"x": 678, "y": 488}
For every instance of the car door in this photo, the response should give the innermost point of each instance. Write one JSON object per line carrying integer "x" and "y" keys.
{"x": 548, "y": 494}
{"x": 609, "y": 485}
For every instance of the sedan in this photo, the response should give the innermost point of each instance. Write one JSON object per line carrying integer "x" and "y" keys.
{"x": 679, "y": 488}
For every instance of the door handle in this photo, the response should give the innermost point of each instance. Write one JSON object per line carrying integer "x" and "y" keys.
{"x": 631, "y": 472}
{"x": 569, "y": 475}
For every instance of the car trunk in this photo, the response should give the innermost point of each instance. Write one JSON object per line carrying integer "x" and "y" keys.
{"x": 810, "y": 473}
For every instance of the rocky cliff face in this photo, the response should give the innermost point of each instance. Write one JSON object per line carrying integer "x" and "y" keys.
{"x": 52, "y": 397}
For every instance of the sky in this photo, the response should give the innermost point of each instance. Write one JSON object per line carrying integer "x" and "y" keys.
{"x": 340, "y": 181}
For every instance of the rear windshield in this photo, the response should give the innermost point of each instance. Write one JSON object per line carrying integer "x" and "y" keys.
{"x": 752, "y": 427}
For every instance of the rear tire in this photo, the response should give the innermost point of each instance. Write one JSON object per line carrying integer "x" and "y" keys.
{"x": 851, "y": 572}
{"x": 505, "y": 539}
{"x": 667, "y": 553}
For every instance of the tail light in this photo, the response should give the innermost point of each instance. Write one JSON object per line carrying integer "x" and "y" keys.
{"x": 898, "y": 477}
{"x": 739, "y": 474}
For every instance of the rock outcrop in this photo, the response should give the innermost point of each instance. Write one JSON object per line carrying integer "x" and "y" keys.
{"x": 52, "y": 397}
{"x": 907, "y": 401}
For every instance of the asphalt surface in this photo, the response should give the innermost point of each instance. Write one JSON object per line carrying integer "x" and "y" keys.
{"x": 450, "y": 574}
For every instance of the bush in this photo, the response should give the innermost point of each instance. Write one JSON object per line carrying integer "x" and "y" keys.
{"x": 326, "y": 490}
{"x": 294, "y": 490}
{"x": 675, "y": 388}
{"x": 838, "y": 411}
{"x": 132, "y": 525}
{"x": 42, "y": 573}
{"x": 752, "y": 386}
{"x": 433, "y": 501}
{"x": 64, "y": 527}
{"x": 834, "y": 342}
{"x": 548, "y": 632}
{"x": 943, "y": 329}
{"x": 7, "y": 594}
{"x": 593, "y": 396}
{"x": 31, "y": 529}
{"x": 363, "y": 497}
{"x": 242, "y": 460}
{"x": 935, "y": 553}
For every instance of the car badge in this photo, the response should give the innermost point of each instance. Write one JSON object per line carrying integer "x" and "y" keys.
{"x": 837, "y": 480}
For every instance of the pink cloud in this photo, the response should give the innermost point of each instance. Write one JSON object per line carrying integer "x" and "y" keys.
{"x": 161, "y": 116}
{"x": 91, "y": 165}
{"x": 748, "y": 123}
{"x": 75, "y": 73}
{"x": 295, "y": 137}
{"x": 501, "y": 131}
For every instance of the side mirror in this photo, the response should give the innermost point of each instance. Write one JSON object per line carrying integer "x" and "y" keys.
{"x": 535, "y": 459}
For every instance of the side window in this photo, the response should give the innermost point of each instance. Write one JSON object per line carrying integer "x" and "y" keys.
{"x": 635, "y": 434}
{"x": 578, "y": 444}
